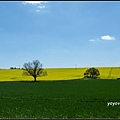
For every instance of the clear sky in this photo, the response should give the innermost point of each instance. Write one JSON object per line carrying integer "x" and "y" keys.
{"x": 60, "y": 34}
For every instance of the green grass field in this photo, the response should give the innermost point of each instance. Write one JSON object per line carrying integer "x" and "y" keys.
{"x": 60, "y": 99}
{"x": 58, "y": 74}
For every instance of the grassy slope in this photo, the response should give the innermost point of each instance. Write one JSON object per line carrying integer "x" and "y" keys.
{"x": 57, "y": 74}
{"x": 60, "y": 99}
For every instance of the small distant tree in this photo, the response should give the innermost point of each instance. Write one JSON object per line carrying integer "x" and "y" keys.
{"x": 92, "y": 73}
{"x": 11, "y": 68}
{"x": 33, "y": 69}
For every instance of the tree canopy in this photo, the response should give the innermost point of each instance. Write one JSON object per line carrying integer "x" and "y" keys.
{"x": 92, "y": 73}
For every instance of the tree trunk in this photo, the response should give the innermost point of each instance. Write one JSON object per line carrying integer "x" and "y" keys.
{"x": 91, "y": 76}
{"x": 34, "y": 78}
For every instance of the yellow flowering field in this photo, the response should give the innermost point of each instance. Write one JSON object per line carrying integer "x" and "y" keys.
{"x": 58, "y": 74}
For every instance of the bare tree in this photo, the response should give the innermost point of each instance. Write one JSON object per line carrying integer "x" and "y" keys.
{"x": 34, "y": 69}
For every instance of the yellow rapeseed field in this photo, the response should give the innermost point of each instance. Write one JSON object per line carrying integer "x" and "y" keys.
{"x": 58, "y": 74}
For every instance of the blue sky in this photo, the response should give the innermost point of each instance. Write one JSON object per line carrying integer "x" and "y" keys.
{"x": 60, "y": 34}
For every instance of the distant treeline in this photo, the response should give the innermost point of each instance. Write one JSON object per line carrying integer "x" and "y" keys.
{"x": 15, "y": 68}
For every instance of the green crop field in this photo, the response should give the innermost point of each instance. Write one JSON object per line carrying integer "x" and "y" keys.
{"x": 60, "y": 99}
{"x": 59, "y": 74}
